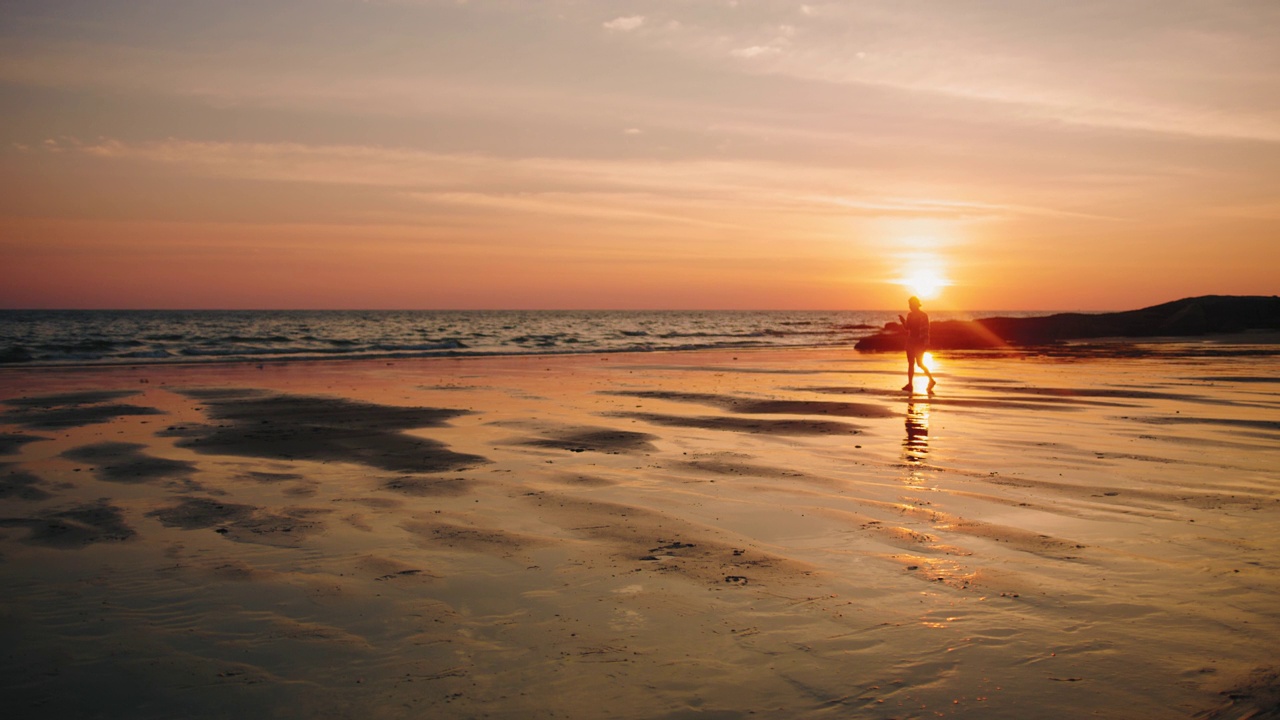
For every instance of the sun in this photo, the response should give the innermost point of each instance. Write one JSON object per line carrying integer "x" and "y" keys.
{"x": 925, "y": 283}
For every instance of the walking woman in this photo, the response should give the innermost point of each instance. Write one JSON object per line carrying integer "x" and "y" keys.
{"x": 917, "y": 325}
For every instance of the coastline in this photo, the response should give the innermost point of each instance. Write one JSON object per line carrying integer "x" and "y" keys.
{"x": 775, "y": 532}
{"x": 1191, "y": 317}
{"x": 1265, "y": 342}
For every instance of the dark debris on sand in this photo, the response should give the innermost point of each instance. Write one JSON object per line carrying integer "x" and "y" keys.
{"x": 69, "y": 410}
{"x": 428, "y": 486}
{"x": 1257, "y": 698}
{"x": 242, "y": 523}
{"x": 126, "y": 463}
{"x": 20, "y": 484}
{"x": 755, "y": 406}
{"x": 193, "y": 513}
{"x": 761, "y": 426}
{"x": 298, "y": 427}
{"x": 75, "y": 527}
{"x": 10, "y": 443}
{"x": 601, "y": 440}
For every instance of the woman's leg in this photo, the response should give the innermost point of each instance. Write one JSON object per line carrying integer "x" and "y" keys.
{"x": 920, "y": 362}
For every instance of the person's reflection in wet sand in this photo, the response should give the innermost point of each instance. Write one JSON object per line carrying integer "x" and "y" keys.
{"x": 915, "y": 448}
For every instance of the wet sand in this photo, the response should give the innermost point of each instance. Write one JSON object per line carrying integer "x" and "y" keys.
{"x": 770, "y": 534}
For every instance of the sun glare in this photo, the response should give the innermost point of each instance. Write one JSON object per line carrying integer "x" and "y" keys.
{"x": 921, "y": 269}
{"x": 925, "y": 283}
{"x": 924, "y": 279}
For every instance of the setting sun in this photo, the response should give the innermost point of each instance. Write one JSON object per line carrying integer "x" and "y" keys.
{"x": 922, "y": 275}
{"x": 925, "y": 284}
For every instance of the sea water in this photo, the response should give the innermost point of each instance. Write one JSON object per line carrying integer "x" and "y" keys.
{"x": 59, "y": 337}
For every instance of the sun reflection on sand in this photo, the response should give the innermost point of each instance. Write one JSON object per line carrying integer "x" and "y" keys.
{"x": 915, "y": 448}
{"x": 951, "y": 573}
{"x": 920, "y": 382}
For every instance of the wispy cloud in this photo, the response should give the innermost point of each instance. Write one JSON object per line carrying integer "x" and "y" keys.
{"x": 1087, "y": 65}
{"x": 625, "y": 24}
{"x": 1109, "y": 68}
{"x": 699, "y": 192}
{"x": 959, "y": 209}
{"x": 755, "y": 51}
{"x": 409, "y": 168}
{"x": 623, "y": 207}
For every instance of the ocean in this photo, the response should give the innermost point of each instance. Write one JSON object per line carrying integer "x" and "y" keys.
{"x": 106, "y": 337}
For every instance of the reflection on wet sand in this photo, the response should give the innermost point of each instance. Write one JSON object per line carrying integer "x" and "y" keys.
{"x": 915, "y": 447}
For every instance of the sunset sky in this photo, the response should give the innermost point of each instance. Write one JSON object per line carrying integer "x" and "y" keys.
{"x": 1092, "y": 154}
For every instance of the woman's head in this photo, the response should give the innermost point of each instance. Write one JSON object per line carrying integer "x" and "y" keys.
{"x": 913, "y": 302}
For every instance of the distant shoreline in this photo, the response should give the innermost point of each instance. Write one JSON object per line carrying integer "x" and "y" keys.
{"x": 1245, "y": 344}
{"x": 271, "y": 338}
{"x": 1200, "y": 317}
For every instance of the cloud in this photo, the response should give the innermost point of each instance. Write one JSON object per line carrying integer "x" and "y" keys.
{"x": 1171, "y": 77}
{"x": 783, "y": 35}
{"x": 602, "y": 206}
{"x": 919, "y": 207}
{"x": 682, "y": 187}
{"x": 1179, "y": 79}
{"x": 625, "y": 24}
{"x": 755, "y": 51}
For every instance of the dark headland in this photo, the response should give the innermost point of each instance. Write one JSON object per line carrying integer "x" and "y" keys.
{"x": 1189, "y": 317}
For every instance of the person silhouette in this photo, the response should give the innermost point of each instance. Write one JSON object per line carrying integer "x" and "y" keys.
{"x": 916, "y": 324}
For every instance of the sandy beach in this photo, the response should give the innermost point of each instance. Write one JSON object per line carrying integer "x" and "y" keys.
{"x": 766, "y": 534}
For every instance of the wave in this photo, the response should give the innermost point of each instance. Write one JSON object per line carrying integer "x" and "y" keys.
{"x": 142, "y": 337}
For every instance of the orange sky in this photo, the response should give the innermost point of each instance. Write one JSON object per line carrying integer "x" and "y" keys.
{"x": 568, "y": 154}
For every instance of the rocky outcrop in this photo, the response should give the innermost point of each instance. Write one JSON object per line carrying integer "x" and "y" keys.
{"x": 1209, "y": 314}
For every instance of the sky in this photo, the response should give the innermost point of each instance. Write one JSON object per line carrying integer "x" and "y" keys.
{"x": 664, "y": 154}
